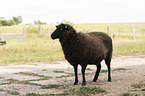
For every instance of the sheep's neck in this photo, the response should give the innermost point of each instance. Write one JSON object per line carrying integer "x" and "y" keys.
{"x": 67, "y": 40}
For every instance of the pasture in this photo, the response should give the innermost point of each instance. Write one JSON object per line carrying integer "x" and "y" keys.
{"x": 41, "y": 48}
{"x": 37, "y": 67}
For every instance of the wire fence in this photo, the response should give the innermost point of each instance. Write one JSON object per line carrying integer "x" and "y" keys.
{"x": 132, "y": 31}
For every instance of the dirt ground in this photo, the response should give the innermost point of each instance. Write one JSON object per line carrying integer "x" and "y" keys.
{"x": 43, "y": 78}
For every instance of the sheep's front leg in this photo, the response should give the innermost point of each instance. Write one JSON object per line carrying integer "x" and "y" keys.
{"x": 76, "y": 73}
{"x": 83, "y": 74}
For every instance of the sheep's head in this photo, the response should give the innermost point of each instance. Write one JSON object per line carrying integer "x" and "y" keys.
{"x": 61, "y": 30}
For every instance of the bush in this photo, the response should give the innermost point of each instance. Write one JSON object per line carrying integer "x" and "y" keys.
{"x": 5, "y": 23}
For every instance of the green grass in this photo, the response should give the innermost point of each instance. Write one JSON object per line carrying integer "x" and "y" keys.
{"x": 12, "y": 93}
{"x": 104, "y": 71}
{"x": 41, "y": 48}
{"x": 129, "y": 94}
{"x": 69, "y": 74}
{"x": 126, "y": 94}
{"x": 34, "y": 94}
{"x": 15, "y": 81}
{"x": 138, "y": 85}
{"x": 50, "y": 86}
{"x": 129, "y": 47}
{"x": 56, "y": 71}
{"x": 85, "y": 91}
{"x": 89, "y": 69}
{"x": 42, "y": 77}
{"x": 118, "y": 69}
{"x": 82, "y": 91}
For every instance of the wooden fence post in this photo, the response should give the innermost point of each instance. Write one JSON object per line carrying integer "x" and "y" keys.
{"x": 40, "y": 29}
{"x": 134, "y": 33}
{"x": 48, "y": 30}
{"x": 24, "y": 30}
{"x": 108, "y": 29}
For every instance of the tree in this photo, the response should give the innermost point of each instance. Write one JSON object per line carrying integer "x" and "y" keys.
{"x": 11, "y": 22}
{"x": 5, "y": 23}
{"x": 65, "y": 22}
{"x": 1, "y": 18}
{"x": 18, "y": 20}
{"x": 39, "y": 22}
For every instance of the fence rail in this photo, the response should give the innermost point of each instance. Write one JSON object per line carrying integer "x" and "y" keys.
{"x": 132, "y": 30}
{"x": 14, "y": 36}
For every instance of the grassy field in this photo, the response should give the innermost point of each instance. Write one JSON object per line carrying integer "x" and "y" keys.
{"x": 41, "y": 48}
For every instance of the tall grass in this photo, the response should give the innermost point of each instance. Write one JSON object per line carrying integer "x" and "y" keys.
{"x": 37, "y": 50}
{"x": 41, "y": 48}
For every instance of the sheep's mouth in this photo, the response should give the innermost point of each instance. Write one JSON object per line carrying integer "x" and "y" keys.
{"x": 53, "y": 37}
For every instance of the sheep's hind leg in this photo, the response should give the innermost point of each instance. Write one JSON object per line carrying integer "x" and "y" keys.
{"x": 83, "y": 74}
{"x": 108, "y": 61}
{"x": 109, "y": 69}
{"x": 97, "y": 72}
{"x": 76, "y": 73}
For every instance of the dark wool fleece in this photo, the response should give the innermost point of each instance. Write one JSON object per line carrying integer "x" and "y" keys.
{"x": 85, "y": 48}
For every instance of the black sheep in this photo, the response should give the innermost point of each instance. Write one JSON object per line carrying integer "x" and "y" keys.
{"x": 84, "y": 49}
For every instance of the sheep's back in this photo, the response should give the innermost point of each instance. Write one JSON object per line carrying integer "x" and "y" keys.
{"x": 107, "y": 41}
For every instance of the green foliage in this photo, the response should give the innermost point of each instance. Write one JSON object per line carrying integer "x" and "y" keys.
{"x": 4, "y": 23}
{"x": 65, "y": 22}
{"x": 39, "y": 22}
{"x": 7, "y": 23}
{"x": 11, "y": 22}
{"x": 18, "y": 20}
{"x": 1, "y": 19}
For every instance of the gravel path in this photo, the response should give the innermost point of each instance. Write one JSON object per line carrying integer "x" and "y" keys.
{"x": 41, "y": 78}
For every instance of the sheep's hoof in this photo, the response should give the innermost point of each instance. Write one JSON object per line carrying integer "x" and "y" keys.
{"x": 76, "y": 83}
{"x": 109, "y": 80}
{"x": 84, "y": 83}
{"x": 94, "y": 80}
